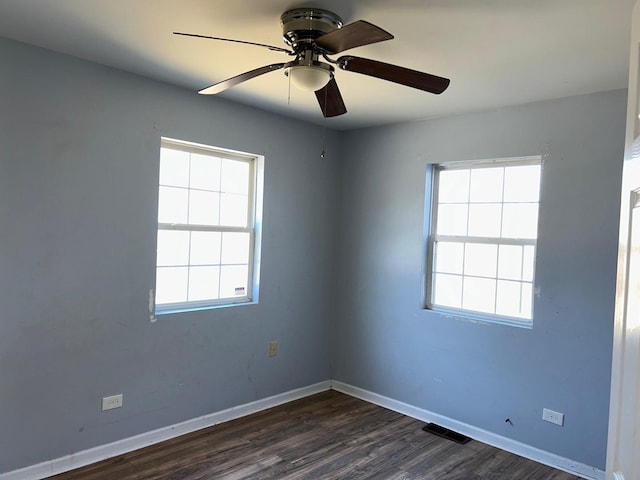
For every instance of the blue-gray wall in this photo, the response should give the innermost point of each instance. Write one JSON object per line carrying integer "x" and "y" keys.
{"x": 481, "y": 373}
{"x": 79, "y": 152}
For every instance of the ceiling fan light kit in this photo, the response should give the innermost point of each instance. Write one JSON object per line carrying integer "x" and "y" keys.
{"x": 307, "y": 73}
{"x": 313, "y": 35}
{"x": 309, "y": 78}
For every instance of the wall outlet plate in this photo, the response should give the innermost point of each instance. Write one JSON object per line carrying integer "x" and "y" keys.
{"x": 273, "y": 349}
{"x": 553, "y": 416}
{"x": 114, "y": 401}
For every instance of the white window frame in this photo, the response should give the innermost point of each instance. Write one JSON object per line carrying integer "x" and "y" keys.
{"x": 253, "y": 226}
{"x": 433, "y": 238}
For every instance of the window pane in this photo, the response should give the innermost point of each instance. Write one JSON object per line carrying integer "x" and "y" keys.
{"x": 205, "y": 248}
{"x": 235, "y": 176}
{"x": 171, "y": 284}
{"x": 205, "y": 172}
{"x": 508, "y": 298}
{"x": 449, "y": 257}
{"x": 484, "y": 220}
{"x": 453, "y": 186}
{"x": 174, "y": 168}
{"x": 203, "y": 283}
{"x": 204, "y": 207}
{"x": 479, "y": 294}
{"x": 173, "y": 205}
{"x": 447, "y": 290}
{"x": 522, "y": 184}
{"x": 233, "y": 281}
{"x": 510, "y": 262}
{"x": 234, "y": 210}
{"x": 452, "y": 220}
{"x": 235, "y": 248}
{"x": 173, "y": 248}
{"x": 486, "y": 185}
{"x": 528, "y": 263}
{"x": 480, "y": 260}
{"x": 520, "y": 220}
{"x": 526, "y": 310}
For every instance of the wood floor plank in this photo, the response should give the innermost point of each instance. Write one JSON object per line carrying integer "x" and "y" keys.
{"x": 326, "y": 436}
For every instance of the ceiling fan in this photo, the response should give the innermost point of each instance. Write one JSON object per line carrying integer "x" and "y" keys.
{"x": 312, "y": 35}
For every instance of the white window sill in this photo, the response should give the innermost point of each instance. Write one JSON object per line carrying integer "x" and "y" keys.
{"x": 478, "y": 317}
{"x": 199, "y": 308}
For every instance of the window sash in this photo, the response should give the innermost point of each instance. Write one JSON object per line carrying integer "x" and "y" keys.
{"x": 201, "y": 304}
{"x": 203, "y": 228}
{"x": 489, "y": 240}
{"x": 200, "y": 149}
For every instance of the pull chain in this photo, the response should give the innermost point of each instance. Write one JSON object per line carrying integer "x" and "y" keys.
{"x": 324, "y": 122}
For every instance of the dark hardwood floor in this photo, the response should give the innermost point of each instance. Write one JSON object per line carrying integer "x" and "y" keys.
{"x": 326, "y": 436}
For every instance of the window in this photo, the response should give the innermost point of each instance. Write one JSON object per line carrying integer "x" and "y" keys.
{"x": 482, "y": 243}
{"x": 206, "y": 227}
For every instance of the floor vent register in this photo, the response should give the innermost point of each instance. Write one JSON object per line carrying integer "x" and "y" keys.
{"x": 446, "y": 433}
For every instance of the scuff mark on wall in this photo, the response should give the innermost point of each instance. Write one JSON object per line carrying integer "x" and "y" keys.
{"x": 152, "y": 317}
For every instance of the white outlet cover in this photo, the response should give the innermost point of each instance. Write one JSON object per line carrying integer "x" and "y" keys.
{"x": 553, "y": 416}
{"x": 114, "y": 401}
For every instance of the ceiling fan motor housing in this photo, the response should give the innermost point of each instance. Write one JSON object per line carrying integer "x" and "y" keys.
{"x": 301, "y": 26}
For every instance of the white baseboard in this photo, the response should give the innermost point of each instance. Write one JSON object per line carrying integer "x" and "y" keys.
{"x": 86, "y": 457}
{"x": 484, "y": 436}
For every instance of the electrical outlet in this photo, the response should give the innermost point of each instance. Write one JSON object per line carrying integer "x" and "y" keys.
{"x": 273, "y": 348}
{"x": 114, "y": 401}
{"x": 553, "y": 417}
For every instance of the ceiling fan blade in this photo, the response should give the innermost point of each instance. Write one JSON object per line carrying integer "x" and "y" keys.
{"x": 243, "y": 77}
{"x": 393, "y": 73}
{"x": 353, "y": 35}
{"x": 330, "y": 100}
{"x": 270, "y": 47}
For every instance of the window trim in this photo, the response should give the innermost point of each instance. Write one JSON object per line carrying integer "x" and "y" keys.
{"x": 254, "y": 228}
{"x": 432, "y": 238}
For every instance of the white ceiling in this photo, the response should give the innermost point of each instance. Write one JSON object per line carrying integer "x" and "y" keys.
{"x": 496, "y": 52}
